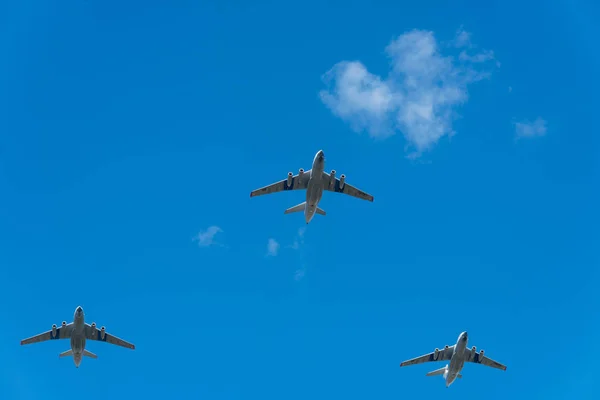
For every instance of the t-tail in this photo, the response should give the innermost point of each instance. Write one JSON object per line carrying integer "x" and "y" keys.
{"x": 301, "y": 207}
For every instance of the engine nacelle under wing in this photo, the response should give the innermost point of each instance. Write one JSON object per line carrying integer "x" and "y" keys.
{"x": 102, "y": 333}
{"x": 290, "y": 179}
{"x": 342, "y": 181}
{"x": 94, "y": 329}
{"x": 332, "y": 178}
{"x": 64, "y": 323}
{"x": 54, "y": 330}
{"x": 436, "y": 353}
{"x": 300, "y": 173}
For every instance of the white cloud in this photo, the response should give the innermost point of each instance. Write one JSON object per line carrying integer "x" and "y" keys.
{"x": 419, "y": 95}
{"x": 299, "y": 274}
{"x": 484, "y": 56}
{"x": 206, "y": 238}
{"x": 272, "y": 247}
{"x": 299, "y": 239}
{"x": 462, "y": 38}
{"x": 528, "y": 129}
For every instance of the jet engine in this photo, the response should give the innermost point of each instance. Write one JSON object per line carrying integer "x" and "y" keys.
{"x": 474, "y": 349}
{"x": 94, "y": 328}
{"x": 342, "y": 181}
{"x": 300, "y": 172}
{"x": 480, "y": 354}
{"x": 102, "y": 333}
{"x": 54, "y": 330}
{"x": 64, "y": 323}
{"x": 436, "y": 352}
{"x": 446, "y": 347}
{"x": 290, "y": 179}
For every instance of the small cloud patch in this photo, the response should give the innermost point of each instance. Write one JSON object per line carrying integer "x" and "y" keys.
{"x": 206, "y": 238}
{"x": 527, "y": 129}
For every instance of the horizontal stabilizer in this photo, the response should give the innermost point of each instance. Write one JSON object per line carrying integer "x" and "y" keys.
{"x": 299, "y": 207}
{"x": 320, "y": 211}
{"x": 89, "y": 354}
{"x": 67, "y": 353}
{"x": 440, "y": 371}
{"x": 436, "y": 372}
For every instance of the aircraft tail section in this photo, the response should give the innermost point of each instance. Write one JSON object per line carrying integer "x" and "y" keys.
{"x": 441, "y": 371}
{"x": 89, "y": 354}
{"x": 67, "y": 353}
{"x": 301, "y": 207}
{"x": 298, "y": 208}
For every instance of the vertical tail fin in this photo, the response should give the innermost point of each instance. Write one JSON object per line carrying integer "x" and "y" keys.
{"x": 67, "y": 353}
{"x": 299, "y": 207}
{"x": 89, "y": 354}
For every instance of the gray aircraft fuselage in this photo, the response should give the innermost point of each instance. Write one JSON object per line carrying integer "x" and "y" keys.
{"x": 315, "y": 187}
{"x": 457, "y": 361}
{"x": 78, "y": 336}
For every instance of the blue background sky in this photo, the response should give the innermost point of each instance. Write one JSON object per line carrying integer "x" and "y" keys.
{"x": 127, "y": 130}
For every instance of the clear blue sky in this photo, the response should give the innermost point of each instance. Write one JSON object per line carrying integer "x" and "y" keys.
{"x": 126, "y": 131}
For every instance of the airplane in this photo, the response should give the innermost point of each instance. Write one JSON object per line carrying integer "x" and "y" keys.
{"x": 458, "y": 354}
{"x": 78, "y": 331}
{"x": 315, "y": 181}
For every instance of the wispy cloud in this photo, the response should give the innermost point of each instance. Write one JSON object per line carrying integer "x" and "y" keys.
{"x": 527, "y": 129}
{"x": 272, "y": 247}
{"x": 207, "y": 237}
{"x": 418, "y": 97}
{"x": 485, "y": 55}
{"x": 299, "y": 274}
{"x": 297, "y": 245}
{"x": 462, "y": 38}
{"x": 299, "y": 239}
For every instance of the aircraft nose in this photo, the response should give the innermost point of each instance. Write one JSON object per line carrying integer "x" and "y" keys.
{"x": 79, "y": 310}
{"x": 465, "y": 335}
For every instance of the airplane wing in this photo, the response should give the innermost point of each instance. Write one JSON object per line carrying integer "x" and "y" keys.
{"x": 479, "y": 358}
{"x": 294, "y": 182}
{"x": 92, "y": 333}
{"x": 442, "y": 355}
{"x": 62, "y": 332}
{"x": 334, "y": 186}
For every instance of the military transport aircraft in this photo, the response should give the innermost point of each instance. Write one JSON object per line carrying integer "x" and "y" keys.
{"x": 78, "y": 331}
{"x": 458, "y": 354}
{"x": 314, "y": 180}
